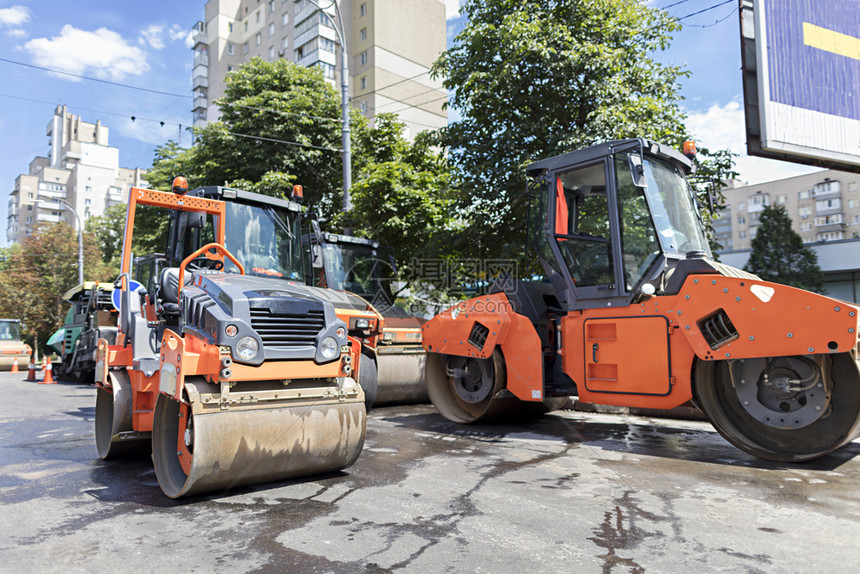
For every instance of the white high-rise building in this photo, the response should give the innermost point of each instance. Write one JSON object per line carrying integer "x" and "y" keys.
{"x": 391, "y": 46}
{"x": 81, "y": 169}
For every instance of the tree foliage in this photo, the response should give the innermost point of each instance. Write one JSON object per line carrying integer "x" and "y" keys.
{"x": 40, "y": 270}
{"x": 535, "y": 78}
{"x": 779, "y": 255}
{"x": 401, "y": 195}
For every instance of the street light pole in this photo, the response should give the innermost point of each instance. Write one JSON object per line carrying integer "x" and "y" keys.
{"x": 344, "y": 105}
{"x": 80, "y": 241}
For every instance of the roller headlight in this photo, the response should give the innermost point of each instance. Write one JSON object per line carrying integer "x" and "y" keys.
{"x": 362, "y": 324}
{"x": 247, "y": 348}
{"x": 329, "y": 348}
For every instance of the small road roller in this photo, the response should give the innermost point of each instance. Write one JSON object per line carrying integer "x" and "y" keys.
{"x": 228, "y": 368}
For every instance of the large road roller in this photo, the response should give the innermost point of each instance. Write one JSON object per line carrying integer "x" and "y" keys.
{"x": 395, "y": 374}
{"x": 635, "y": 312}
{"x": 228, "y": 368}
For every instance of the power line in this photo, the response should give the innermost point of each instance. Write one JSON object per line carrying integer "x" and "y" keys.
{"x": 673, "y": 5}
{"x": 281, "y": 140}
{"x": 394, "y": 84}
{"x": 133, "y": 117}
{"x": 708, "y": 9}
{"x": 121, "y": 85}
{"x": 715, "y": 22}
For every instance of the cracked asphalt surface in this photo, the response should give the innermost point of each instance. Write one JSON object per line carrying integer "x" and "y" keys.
{"x": 567, "y": 492}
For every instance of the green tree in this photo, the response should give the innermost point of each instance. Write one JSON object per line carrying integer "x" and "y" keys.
{"x": 535, "y": 78}
{"x": 401, "y": 195}
{"x": 778, "y": 253}
{"x": 40, "y": 270}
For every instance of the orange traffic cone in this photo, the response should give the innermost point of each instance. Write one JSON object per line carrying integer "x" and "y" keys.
{"x": 49, "y": 380}
{"x": 31, "y": 374}
{"x": 14, "y": 365}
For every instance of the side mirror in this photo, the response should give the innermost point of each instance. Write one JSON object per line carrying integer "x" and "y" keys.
{"x": 637, "y": 170}
{"x": 316, "y": 256}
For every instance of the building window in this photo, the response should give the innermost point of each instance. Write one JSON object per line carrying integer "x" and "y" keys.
{"x": 88, "y": 202}
{"x": 852, "y": 203}
{"x": 230, "y": 48}
{"x": 363, "y": 10}
{"x": 326, "y": 44}
{"x": 258, "y": 16}
{"x": 271, "y": 29}
{"x": 363, "y": 34}
{"x": 328, "y": 70}
{"x": 364, "y": 82}
{"x": 29, "y": 208}
{"x": 804, "y": 212}
{"x": 285, "y": 43}
{"x": 826, "y": 204}
{"x": 285, "y": 19}
{"x": 246, "y": 25}
{"x": 229, "y": 69}
{"x": 742, "y": 234}
{"x": 742, "y": 220}
{"x": 30, "y": 219}
{"x": 245, "y": 48}
{"x": 230, "y": 27}
{"x": 88, "y": 188}
{"x": 803, "y": 194}
{"x": 271, "y": 52}
{"x": 362, "y": 58}
{"x": 271, "y": 6}
{"x": 828, "y": 220}
{"x": 781, "y": 199}
{"x": 829, "y": 236}
{"x": 363, "y": 107}
{"x": 852, "y": 186}
{"x": 258, "y": 39}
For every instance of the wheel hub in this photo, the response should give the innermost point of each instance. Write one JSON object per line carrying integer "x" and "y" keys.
{"x": 769, "y": 390}
{"x": 468, "y": 379}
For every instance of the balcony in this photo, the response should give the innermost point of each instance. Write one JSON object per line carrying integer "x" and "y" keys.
{"x": 198, "y": 33}
{"x": 200, "y": 102}
{"x": 200, "y": 81}
{"x": 200, "y": 71}
{"x": 52, "y": 194}
{"x": 201, "y": 58}
{"x": 49, "y": 218}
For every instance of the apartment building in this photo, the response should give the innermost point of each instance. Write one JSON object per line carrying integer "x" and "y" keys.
{"x": 391, "y": 45}
{"x": 80, "y": 171}
{"x": 823, "y": 206}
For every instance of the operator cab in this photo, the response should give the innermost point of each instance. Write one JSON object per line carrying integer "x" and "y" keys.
{"x": 615, "y": 219}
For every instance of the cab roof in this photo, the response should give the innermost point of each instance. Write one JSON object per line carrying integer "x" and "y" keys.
{"x": 599, "y": 151}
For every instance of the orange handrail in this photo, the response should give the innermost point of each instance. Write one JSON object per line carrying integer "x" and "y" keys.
{"x": 201, "y": 251}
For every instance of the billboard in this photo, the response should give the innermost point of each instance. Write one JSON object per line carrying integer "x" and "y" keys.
{"x": 801, "y": 66}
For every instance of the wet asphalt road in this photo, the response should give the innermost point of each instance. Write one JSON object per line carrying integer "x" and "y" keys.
{"x": 568, "y": 492}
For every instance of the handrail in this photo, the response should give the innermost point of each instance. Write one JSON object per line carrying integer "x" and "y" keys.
{"x": 201, "y": 251}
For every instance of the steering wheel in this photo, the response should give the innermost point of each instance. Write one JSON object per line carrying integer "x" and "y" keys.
{"x": 204, "y": 262}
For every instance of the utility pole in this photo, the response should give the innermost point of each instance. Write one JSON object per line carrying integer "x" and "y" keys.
{"x": 344, "y": 104}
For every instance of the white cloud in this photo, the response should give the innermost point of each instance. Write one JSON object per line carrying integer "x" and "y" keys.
{"x": 153, "y": 36}
{"x": 103, "y": 53}
{"x": 189, "y": 40}
{"x": 14, "y": 16}
{"x": 723, "y": 127}
{"x": 178, "y": 32}
{"x": 17, "y": 33}
{"x": 452, "y": 8}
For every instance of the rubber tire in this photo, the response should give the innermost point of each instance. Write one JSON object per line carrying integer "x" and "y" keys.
{"x": 718, "y": 400}
{"x": 368, "y": 378}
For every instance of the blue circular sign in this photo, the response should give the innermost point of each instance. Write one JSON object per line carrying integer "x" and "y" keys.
{"x": 132, "y": 286}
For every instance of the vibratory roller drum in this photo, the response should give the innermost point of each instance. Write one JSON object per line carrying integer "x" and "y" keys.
{"x": 115, "y": 436}
{"x": 469, "y": 389}
{"x": 198, "y": 445}
{"x": 787, "y": 409}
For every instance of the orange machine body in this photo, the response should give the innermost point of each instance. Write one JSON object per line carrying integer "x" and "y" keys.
{"x": 187, "y": 355}
{"x": 643, "y": 355}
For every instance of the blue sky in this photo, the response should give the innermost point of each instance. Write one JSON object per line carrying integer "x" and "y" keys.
{"x": 145, "y": 44}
